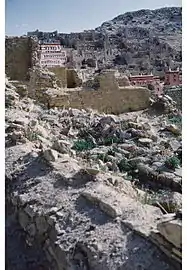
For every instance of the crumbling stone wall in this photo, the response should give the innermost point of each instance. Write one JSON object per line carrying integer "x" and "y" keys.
{"x": 123, "y": 81}
{"x": 40, "y": 81}
{"x": 20, "y": 55}
{"x": 61, "y": 74}
{"x": 104, "y": 81}
{"x": 119, "y": 101}
{"x": 105, "y": 96}
{"x": 107, "y": 81}
{"x": 73, "y": 79}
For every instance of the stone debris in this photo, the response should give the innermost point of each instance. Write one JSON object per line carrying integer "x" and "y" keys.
{"x": 164, "y": 104}
{"x": 169, "y": 236}
{"x": 172, "y": 231}
{"x": 50, "y": 155}
{"x": 10, "y": 94}
{"x": 139, "y": 217}
{"x": 91, "y": 188}
{"x": 174, "y": 129}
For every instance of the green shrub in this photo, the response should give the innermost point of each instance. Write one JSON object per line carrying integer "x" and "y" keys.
{"x": 111, "y": 152}
{"x": 83, "y": 145}
{"x": 103, "y": 157}
{"x": 175, "y": 119}
{"x": 124, "y": 166}
{"x": 172, "y": 163}
{"x": 31, "y": 135}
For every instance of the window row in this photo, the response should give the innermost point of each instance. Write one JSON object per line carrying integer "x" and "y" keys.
{"x": 51, "y": 52}
{"x": 51, "y": 48}
{"x": 59, "y": 56}
{"x": 142, "y": 82}
{"x": 51, "y": 62}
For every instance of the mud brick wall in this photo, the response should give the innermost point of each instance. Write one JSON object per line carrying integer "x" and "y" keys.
{"x": 20, "y": 55}
{"x": 61, "y": 75}
{"x": 119, "y": 101}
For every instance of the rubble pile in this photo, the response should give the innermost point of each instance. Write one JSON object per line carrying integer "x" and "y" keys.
{"x": 164, "y": 104}
{"x": 10, "y": 94}
{"x": 168, "y": 235}
{"x": 94, "y": 190}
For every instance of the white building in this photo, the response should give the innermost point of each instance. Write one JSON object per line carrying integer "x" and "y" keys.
{"x": 52, "y": 55}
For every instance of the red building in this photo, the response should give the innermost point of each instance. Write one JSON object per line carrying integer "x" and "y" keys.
{"x": 146, "y": 80}
{"x": 173, "y": 78}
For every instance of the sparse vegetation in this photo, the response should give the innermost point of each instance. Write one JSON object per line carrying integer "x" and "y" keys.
{"x": 83, "y": 145}
{"x": 103, "y": 157}
{"x": 111, "y": 152}
{"x": 175, "y": 119}
{"x": 31, "y": 135}
{"x": 124, "y": 166}
{"x": 172, "y": 162}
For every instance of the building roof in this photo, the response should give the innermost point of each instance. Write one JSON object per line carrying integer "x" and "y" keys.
{"x": 48, "y": 44}
{"x": 172, "y": 71}
{"x": 142, "y": 77}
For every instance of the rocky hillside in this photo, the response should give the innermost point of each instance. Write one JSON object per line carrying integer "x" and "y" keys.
{"x": 144, "y": 40}
{"x": 94, "y": 191}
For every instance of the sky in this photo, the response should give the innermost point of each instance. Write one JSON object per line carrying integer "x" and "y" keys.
{"x": 68, "y": 16}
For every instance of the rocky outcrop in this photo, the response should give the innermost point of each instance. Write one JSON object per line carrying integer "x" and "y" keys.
{"x": 169, "y": 236}
{"x": 53, "y": 209}
{"x": 163, "y": 104}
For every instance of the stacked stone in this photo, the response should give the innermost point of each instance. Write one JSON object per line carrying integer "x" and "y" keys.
{"x": 168, "y": 236}
{"x": 40, "y": 81}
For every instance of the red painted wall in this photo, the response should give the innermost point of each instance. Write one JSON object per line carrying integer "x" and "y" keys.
{"x": 172, "y": 78}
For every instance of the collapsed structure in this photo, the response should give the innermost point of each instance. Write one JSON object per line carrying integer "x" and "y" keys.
{"x": 51, "y": 86}
{"x": 92, "y": 190}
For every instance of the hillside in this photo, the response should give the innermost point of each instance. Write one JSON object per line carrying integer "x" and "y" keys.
{"x": 144, "y": 40}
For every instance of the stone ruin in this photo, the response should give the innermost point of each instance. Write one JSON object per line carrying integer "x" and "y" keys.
{"x": 91, "y": 190}
{"x": 52, "y": 87}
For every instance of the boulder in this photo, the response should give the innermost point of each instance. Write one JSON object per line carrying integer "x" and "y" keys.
{"x": 145, "y": 141}
{"x": 172, "y": 231}
{"x": 62, "y": 146}
{"x": 50, "y": 155}
{"x": 174, "y": 129}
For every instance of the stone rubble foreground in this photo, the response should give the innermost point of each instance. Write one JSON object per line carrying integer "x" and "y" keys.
{"x": 94, "y": 190}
